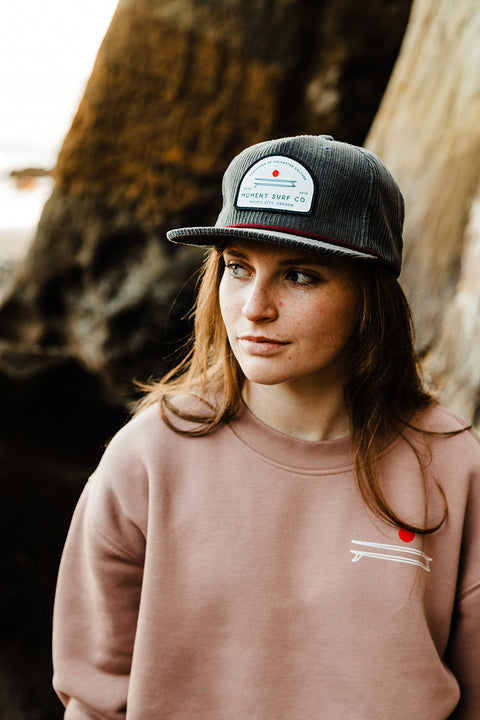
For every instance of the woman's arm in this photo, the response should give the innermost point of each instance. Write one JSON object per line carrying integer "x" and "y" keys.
{"x": 463, "y": 654}
{"x": 98, "y": 595}
{"x": 463, "y": 651}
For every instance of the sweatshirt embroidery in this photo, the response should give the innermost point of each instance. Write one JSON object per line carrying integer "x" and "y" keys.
{"x": 404, "y": 554}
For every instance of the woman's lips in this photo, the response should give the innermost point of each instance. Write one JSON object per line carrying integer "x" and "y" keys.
{"x": 259, "y": 345}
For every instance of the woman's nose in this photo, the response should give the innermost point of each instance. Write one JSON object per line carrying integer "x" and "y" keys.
{"x": 260, "y": 303}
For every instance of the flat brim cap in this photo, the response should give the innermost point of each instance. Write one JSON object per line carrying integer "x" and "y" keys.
{"x": 312, "y": 192}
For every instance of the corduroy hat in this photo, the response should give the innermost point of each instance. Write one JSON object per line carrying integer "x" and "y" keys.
{"x": 312, "y": 192}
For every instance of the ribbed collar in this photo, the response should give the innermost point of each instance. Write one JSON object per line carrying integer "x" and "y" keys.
{"x": 287, "y": 451}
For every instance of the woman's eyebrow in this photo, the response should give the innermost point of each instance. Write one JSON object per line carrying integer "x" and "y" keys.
{"x": 234, "y": 251}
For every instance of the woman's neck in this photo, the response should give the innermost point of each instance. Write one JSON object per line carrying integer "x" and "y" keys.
{"x": 299, "y": 412}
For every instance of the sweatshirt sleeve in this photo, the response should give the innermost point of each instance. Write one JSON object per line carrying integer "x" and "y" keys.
{"x": 98, "y": 590}
{"x": 464, "y": 655}
{"x": 463, "y": 652}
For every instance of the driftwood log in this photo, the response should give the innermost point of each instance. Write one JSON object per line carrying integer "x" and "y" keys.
{"x": 428, "y": 132}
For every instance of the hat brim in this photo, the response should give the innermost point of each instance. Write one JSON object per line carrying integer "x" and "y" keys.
{"x": 209, "y": 236}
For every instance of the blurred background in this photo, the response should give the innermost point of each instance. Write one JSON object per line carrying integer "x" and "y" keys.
{"x": 47, "y": 53}
{"x": 117, "y": 122}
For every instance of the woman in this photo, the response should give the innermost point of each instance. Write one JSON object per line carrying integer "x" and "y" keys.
{"x": 289, "y": 528}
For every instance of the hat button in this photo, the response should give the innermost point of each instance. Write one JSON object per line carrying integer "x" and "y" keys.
{"x": 327, "y": 137}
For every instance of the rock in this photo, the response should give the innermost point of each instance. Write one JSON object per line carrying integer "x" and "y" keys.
{"x": 56, "y": 418}
{"x": 356, "y": 47}
{"x": 111, "y": 294}
{"x": 178, "y": 88}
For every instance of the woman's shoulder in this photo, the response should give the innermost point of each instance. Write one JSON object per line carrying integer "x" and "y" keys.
{"x": 439, "y": 422}
{"x": 155, "y": 427}
{"x": 139, "y": 448}
{"x": 437, "y": 418}
{"x": 128, "y": 449}
{"x": 139, "y": 429}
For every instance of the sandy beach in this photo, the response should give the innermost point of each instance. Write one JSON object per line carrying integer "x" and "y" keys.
{"x": 14, "y": 244}
{"x": 20, "y": 210}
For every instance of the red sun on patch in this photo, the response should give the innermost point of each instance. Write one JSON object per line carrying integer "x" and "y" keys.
{"x": 406, "y": 535}
{"x": 275, "y": 173}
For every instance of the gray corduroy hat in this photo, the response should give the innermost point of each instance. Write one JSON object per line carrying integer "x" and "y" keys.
{"x": 313, "y": 192}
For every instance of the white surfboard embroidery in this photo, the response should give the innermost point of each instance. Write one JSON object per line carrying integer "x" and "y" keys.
{"x": 267, "y": 182}
{"x": 412, "y": 556}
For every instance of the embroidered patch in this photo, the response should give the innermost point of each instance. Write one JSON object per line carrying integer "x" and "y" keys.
{"x": 402, "y": 554}
{"x": 277, "y": 183}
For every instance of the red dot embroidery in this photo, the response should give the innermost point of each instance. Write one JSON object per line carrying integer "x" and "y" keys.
{"x": 406, "y": 535}
{"x": 275, "y": 173}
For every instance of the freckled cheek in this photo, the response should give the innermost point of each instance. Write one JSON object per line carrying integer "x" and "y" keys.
{"x": 230, "y": 312}
{"x": 325, "y": 326}
{"x": 344, "y": 326}
{"x": 225, "y": 313}
{"x": 227, "y": 316}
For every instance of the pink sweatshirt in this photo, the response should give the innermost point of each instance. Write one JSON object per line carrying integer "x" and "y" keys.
{"x": 239, "y": 576}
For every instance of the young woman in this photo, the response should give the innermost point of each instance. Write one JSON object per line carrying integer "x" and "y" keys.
{"x": 289, "y": 528}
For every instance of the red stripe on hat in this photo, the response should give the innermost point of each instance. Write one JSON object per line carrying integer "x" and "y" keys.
{"x": 312, "y": 236}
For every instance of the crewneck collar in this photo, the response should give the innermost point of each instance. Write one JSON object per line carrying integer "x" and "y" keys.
{"x": 288, "y": 451}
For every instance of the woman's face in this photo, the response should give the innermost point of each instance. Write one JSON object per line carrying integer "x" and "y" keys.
{"x": 289, "y": 313}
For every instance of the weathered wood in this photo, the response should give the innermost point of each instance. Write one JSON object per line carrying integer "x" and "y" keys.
{"x": 455, "y": 355}
{"x": 428, "y": 132}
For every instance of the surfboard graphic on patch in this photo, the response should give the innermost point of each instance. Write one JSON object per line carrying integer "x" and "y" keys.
{"x": 277, "y": 183}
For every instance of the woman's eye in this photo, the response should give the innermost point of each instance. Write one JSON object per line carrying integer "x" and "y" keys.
{"x": 300, "y": 278}
{"x": 236, "y": 270}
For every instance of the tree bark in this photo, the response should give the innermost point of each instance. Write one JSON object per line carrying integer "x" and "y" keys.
{"x": 427, "y": 131}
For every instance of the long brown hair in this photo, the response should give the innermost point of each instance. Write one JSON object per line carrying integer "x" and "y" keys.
{"x": 384, "y": 389}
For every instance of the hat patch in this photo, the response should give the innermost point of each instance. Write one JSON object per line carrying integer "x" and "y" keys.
{"x": 277, "y": 183}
